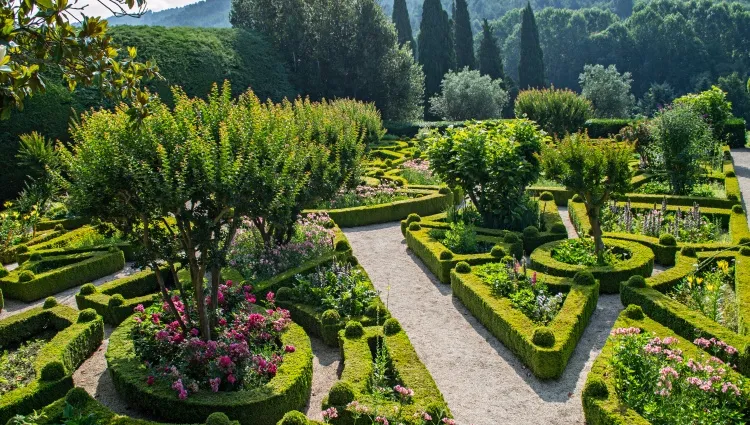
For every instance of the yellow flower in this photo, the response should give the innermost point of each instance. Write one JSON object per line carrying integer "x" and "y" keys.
{"x": 690, "y": 280}
{"x": 710, "y": 288}
{"x": 699, "y": 280}
{"x": 723, "y": 266}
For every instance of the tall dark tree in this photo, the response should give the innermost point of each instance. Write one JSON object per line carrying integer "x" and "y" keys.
{"x": 624, "y": 8}
{"x": 464, "y": 38}
{"x": 403, "y": 25}
{"x": 435, "y": 43}
{"x": 490, "y": 62}
{"x": 531, "y": 65}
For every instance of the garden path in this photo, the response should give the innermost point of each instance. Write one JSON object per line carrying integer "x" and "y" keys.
{"x": 741, "y": 159}
{"x": 483, "y": 382}
{"x": 563, "y": 211}
{"x": 327, "y": 368}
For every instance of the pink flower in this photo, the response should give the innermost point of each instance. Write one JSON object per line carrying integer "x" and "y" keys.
{"x": 215, "y": 382}
{"x": 270, "y": 297}
{"x": 139, "y": 308}
{"x": 403, "y": 391}
{"x": 289, "y": 349}
{"x": 225, "y": 362}
{"x": 150, "y": 380}
{"x": 195, "y": 332}
{"x": 381, "y": 420}
{"x": 448, "y": 421}
{"x": 231, "y": 379}
{"x": 330, "y": 413}
{"x": 222, "y": 321}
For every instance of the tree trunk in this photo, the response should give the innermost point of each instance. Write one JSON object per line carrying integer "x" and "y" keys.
{"x": 596, "y": 230}
{"x": 168, "y": 299}
{"x": 215, "y": 281}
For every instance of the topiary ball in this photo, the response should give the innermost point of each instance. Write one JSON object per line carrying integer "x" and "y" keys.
{"x": 87, "y": 289}
{"x": 558, "y": 228}
{"x": 688, "y": 251}
{"x": 413, "y": 218}
{"x": 53, "y": 371}
{"x": 330, "y": 317}
{"x": 116, "y": 300}
{"x": 543, "y": 337}
{"x": 745, "y": 251}
{"x": 379, "y": 173}
{"x": 733, "y": 197}
{"x": 88, "y": 315}
{"x": 667, "y": 240}
{"x": 730, "y": 173}
{"x": 375, "y": 309}
{"x": 35, "y": 257}
{"x": 218, "y": 418}
{"x": 414, "y": 227}
{"x": 3, "y": 271}
{"x": 342, "y": 246}
{"x": 444, "y": 191}
{"x": 637, "y": 281}
{"x": 508, "y": 259}
{"x": 584, "y": 278}
{"x": 77, "y": 397}
{"x": 634, "y": 312}
{"x": 354, "y": 329}
{"x": 341, "y": 394}
{"x": 510, "y": 238}
{"x": 530, "y": 232}
{"x": 463, "y": 267}
{"x": 21, "y": 249}
{"x": 49, "y": 302}
{"x": 744, "y": 240}
{"x": 26, "y": 276}
{"x": 446, "y": 255}
{"x": 417, "y": 153}
{"x": 388, "y": 163}
{"x": 294, "y": 418}
{"x": 546, "y": 196}
{"x": 595, "y": 388}
{"x": 498, "y": 251}
{"x": 737, "y": 209}
{"x": 391, "y": 327}
{"x": 284, "y": 293}
{"x": 577, "y": 198}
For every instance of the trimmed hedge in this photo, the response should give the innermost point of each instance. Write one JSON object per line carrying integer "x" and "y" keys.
{"x": 66, "y": 223}
{"x": 355, "y": 378}
{"x": 64, "y": 272}
{"x": 288, "y": 390}
{"x": 11, "y": 254}
{"x": 410, "y": 129}
{"x": 75, "y": 340}
{"x": 125, "y": 247}
{"x": 545, "y": 351}
{"x": 606, "y": 127}
{"x": 735, "y": 133}
{"x": 641, "y": 263}
{"x": 601, "y": 406}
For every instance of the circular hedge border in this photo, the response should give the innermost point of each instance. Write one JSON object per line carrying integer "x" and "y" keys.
{"x": 641, "y": 263}
{"x": 288, "y": 390}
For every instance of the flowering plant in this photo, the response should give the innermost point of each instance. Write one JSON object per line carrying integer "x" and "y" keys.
{"x": 417, "y": 171}
{"x": 582, "y": 252}
{"x": 244, "y": 353}
{"x": 653, "y": 377}
{"x": 365, "y": 195}
{"x": 339, "y": 286}
{"x": 711, "y": 292}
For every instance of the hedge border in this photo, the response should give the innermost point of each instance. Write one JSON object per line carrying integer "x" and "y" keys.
{"x": 76, "y": 339}
{"x": 357, "y": 358}
{"x": 516, "y": 331}
{"x": 67, "y": 223}
{"x": 92, "y": 266}
{"x": 288, "y": 390}
{"x": 125, "y": 247}
{"x": 641, "y": 263}
{"x": 11, "y": 254}
{"x": 604, "y": 407}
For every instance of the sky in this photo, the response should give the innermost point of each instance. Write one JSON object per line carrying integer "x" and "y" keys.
{"x": 94, "y": 8}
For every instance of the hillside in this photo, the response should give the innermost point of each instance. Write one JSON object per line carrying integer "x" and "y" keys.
{"x": 207, "y": 13}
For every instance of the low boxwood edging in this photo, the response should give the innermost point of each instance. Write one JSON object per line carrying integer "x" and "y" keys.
{"x": 78, "y": 335}
{"x": 12, "y": 253}
{"x": 609, "y": 277}
{"x": 686, "y": 322}
{"x": 288, "y": 390}
{"x": 125, "y": 247}
{"x": 73, "y": 270}
{"x": 601, "y": 405}
{"x": 66, "y": 223}
{"x": 516, "y": 331}
{"x": 358, "y": 367}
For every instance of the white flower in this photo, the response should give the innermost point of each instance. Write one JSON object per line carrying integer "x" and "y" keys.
{"x": 3, "y": 50}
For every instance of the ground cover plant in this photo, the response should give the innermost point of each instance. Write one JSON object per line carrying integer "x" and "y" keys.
{"x": 17, "y": 363}
{"x": 582, "y": 252}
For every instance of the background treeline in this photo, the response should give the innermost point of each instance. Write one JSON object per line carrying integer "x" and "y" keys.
{"x": 206, "y": 13}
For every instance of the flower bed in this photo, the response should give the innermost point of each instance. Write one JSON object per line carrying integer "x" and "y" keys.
{"x": 669, "y": 361}
{"x": 641, "y": 262}
{"x": 407, "y": 389}
{"x": 689, "y": 323}
{"x": 545, "y": 350}
{"x": 12, "y": 253}
{"x": 35, "y": 280}
{"x": 76, "y": 336}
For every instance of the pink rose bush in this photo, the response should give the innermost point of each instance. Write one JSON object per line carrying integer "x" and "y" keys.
{"x": 656, "y": 379}
{"x": 364, "y": 195}
{"x": 245, "y": 350}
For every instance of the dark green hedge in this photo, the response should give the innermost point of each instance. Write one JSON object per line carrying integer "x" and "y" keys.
{"x": 67, "y": 223}
{"x": 735, "y": 132}
{"x": 288, "y": 390}
{"x": 605, "y": 127}
{"x": 74, "y": 341}
{"x": 516, "y": 331}
{"x": 74, "y": 270}
{"x": 11, "y": 254}
{"x": 125, "y": 247}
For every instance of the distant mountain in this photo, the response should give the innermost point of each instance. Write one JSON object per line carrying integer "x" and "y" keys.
{"x": 208, "y": 13}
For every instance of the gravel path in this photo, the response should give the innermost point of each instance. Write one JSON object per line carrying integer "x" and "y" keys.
{"x": 327, "y": 369}
{"x": 483, "y": 382}
{"x": 741, "y": 159}
{"x": 572, "y": 232}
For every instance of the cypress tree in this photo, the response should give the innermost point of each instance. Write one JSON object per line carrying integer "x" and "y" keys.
{"x": 464, "y": 39}
{"x": 435, "y": 44}
{"x": 531, "y": 65}
{"x": 490, "y": 62}
{"x": 403, "y": 24}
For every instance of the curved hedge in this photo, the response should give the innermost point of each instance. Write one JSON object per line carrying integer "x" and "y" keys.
{"x": 288, "y": 390}
{"x": 609, "y": 277}
{"x": 516, "y": 331}
{"x": 11, "y": 254}
{"x": 75, "y": 340}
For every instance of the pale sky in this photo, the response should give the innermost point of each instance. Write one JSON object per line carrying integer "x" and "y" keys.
{"x": 94, "y": 8}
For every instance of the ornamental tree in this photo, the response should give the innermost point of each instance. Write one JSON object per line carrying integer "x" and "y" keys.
{"x": 596, "y": 170}
{"x": 493, "y": 162}
{"x": 181, "y": 183}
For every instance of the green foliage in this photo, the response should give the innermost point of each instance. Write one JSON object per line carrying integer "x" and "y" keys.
{"x": 498, "y": 156}
{"x": 688, "y": 251}
{"x": 608, "y": 91}
{"x": 634, "y": 311}
{"x": 558, "y": 228}
{"x": 737, "y": 94}
{"x": 26, "y": 276}
{"x": 584, "y": 278}
{"x": 558, "y": 112}
{"x": 531, "y": 232}
{"x": 546, "y": 196}
{"x": 353, "y": 329}
{"x": 87, "y": 315}
{"x": 49, "y": 302}
{"x": 403, "y": 26}
{"x": 88, "y": 289}
{"x": 498, "y": 252}
{"x": 329, "y": 317}
{"x": 667, "y": 240}
{"x": 435, "y": 43}
{"x": 338, "y": 286}
{"x": 637, "y": 281}
{"x": 510, "y": 238}
{"x": 543, "y": 337}
{"x": 461, "y": 238}
{"x": 294, "y": 418}
{"x": 468, "y": 94}
{"x": 116, "y": 300}
{"x": 412, "y": 218}
{"x": 447, "y": 255}
{"x": 531, "y": 64}
{"x": 658, "y": 96}
{"x": 207, "y": 14}
{"x": 414, "y": 227}
{"x": 391, "y": 326}
{"x": 218, "y": 418}
{"x": 711, "y": 105}
{"x": 463, "y": 267}
{"x": 490, "y": 61}
{"x": 464, "y": 39}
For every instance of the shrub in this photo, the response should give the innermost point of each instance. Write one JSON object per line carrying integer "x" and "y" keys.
{"x": 469, "y": 95}
{"x": 711, "y": 104}
{"x": 446, "y": 255}
{"x": 294, "y": 418}
{"x": 737, "y": 209}
{"x": 510, "y": 238}
{"x": 284, "y": 293}
{"x": 444, "y": 191}
{"x": 87, "y": 315}
{"x": 730, "y": 173}
{"x": 498, "y": 251}
{"x": 53, "y": 371}
{"x": 3, "y": 271}
{"x": 26, "y": 276}
{"x": 391, "y": 327}
{"x": 634, "y": 312}
{"x": 375, "y": 309}
{"x": 49, "y": 302}
{"x": 606, "y": 127}
{"x": 584, "y": 278}
{"x": 413, "y": 218}
{"x": 688, "y": 251}
{"x": 22, "y": 249}
{"x": 558, "y": 112}
{"x": 608, "y": 90}
{"x": 577, "y": 199}
{"x": 595, "y": 388}
{"x": 531, "y": 232}
{"x": 745, "y": 250}
{"x": 637, "y": 281}
{"x": 415, "y": 227}
{"x": 342, "y": 246}
{"x": 354, "y": 329}
{"x": 330, "y": 317}
{"x": 463, "y": 267}
{"x": 546, "y": 196}
{"x": 58, "y": 227}
{"x": 87, "y": 289}
{"x": 341, "y": 394}
{"x": 477, "y": 155}
{"x": 558, "y": 228}
{"x": 35, "y": 257}
{"x": 116, "y": 300}
{"x": 543, "y": 337}
{"x": 379, "y": 173}
{"x": 667, "y": 239}
{"x": 218, "y": 418}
